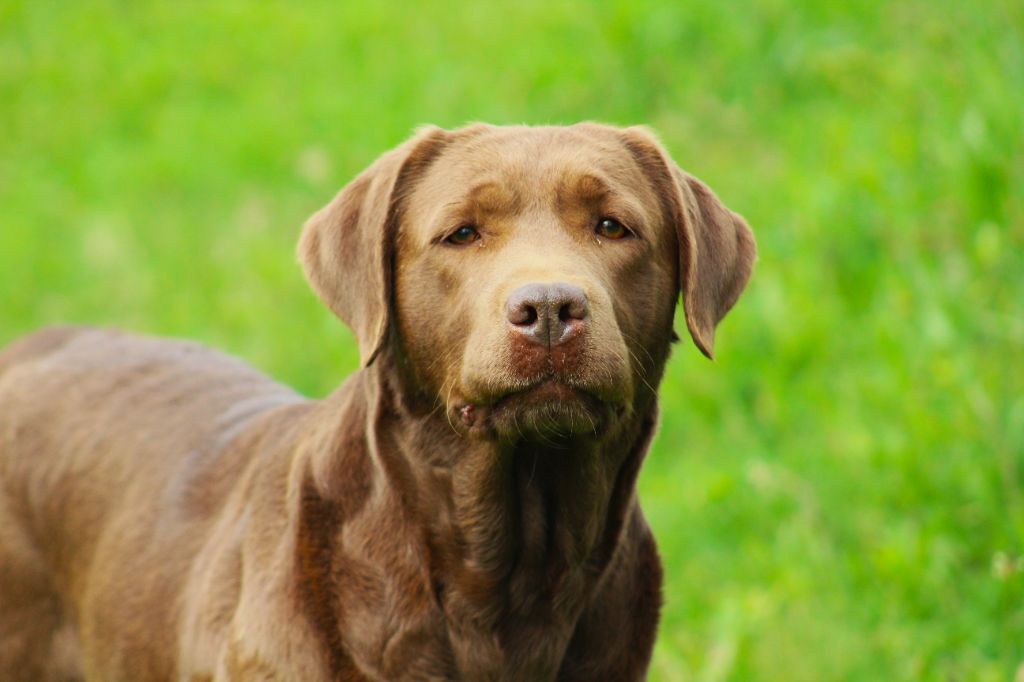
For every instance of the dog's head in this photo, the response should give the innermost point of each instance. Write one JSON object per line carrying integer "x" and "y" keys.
{"x": 528, "y": 276}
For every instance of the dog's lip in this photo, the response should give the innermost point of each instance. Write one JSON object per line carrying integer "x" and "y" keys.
{"x": 550, "y": 387}
{"x": 546, "y": 392}
{"x": 547, "y": 388}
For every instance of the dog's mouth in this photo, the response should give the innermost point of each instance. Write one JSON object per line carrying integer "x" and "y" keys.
{"x": 549, "y": 409}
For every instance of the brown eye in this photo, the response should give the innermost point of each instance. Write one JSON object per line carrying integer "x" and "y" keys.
{"x": 610, "y": 228}
{"x": 466, "y": 234}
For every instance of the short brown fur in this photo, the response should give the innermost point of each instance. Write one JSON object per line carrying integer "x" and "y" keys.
{"x": 463, "y": 507}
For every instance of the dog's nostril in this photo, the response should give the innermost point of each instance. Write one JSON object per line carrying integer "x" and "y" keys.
{"x": 528, "y": 315}
{"x": 522, "y": 314}
{"x": 574, "y": 310}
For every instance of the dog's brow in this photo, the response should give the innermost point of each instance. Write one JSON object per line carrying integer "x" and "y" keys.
{"x": 492, "y": 197}
{"x": 592, "y": 192}
{"x": 581, "y": 187}
{"x": 589, "y": 186}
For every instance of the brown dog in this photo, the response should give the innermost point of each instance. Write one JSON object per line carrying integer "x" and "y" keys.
{"x": 461, "y": 508}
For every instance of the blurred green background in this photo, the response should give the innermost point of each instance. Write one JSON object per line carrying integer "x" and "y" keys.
{"x": 839, "y": 495}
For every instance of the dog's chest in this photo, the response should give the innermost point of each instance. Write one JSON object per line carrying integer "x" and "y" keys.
{"x": 416, "y": 638}
{"x": 424, "y": 651}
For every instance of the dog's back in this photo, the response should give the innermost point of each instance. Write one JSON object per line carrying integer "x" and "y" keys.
{"x": 116, "y": 454}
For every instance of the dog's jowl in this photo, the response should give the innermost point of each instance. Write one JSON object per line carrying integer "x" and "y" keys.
{"x": 462, "y": 508}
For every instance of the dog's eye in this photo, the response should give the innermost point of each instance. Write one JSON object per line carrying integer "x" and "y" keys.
{"x": 610, "y": 228}
{"x": 466, "y": 234}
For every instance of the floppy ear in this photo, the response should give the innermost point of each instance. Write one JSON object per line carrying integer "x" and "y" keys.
{"x": 716, "y": 247}
{"x": 347, "y": 247}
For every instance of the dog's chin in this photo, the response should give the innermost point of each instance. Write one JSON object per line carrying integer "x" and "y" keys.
{"x": 550, "y": 413}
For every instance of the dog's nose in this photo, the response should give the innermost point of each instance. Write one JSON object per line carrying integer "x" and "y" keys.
{"x": 548, "y": 314}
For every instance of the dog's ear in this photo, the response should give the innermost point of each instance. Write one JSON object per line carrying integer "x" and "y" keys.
{"x": 716, "y": 247}
{"x": 347, "y": 247}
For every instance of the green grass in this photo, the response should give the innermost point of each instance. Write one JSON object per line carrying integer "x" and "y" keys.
{"x": 839, "y": 495}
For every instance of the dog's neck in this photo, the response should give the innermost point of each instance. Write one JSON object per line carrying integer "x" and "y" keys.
{"x": 505, "y": 541}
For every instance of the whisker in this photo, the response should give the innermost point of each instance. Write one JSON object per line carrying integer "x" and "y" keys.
{"x": 638, "y": 345}
{"x": 642, "y": 374}
{"x": 448, "y": 408}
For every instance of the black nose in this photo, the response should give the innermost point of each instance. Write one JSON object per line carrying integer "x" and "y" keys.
{"x": 548, "y": 314}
